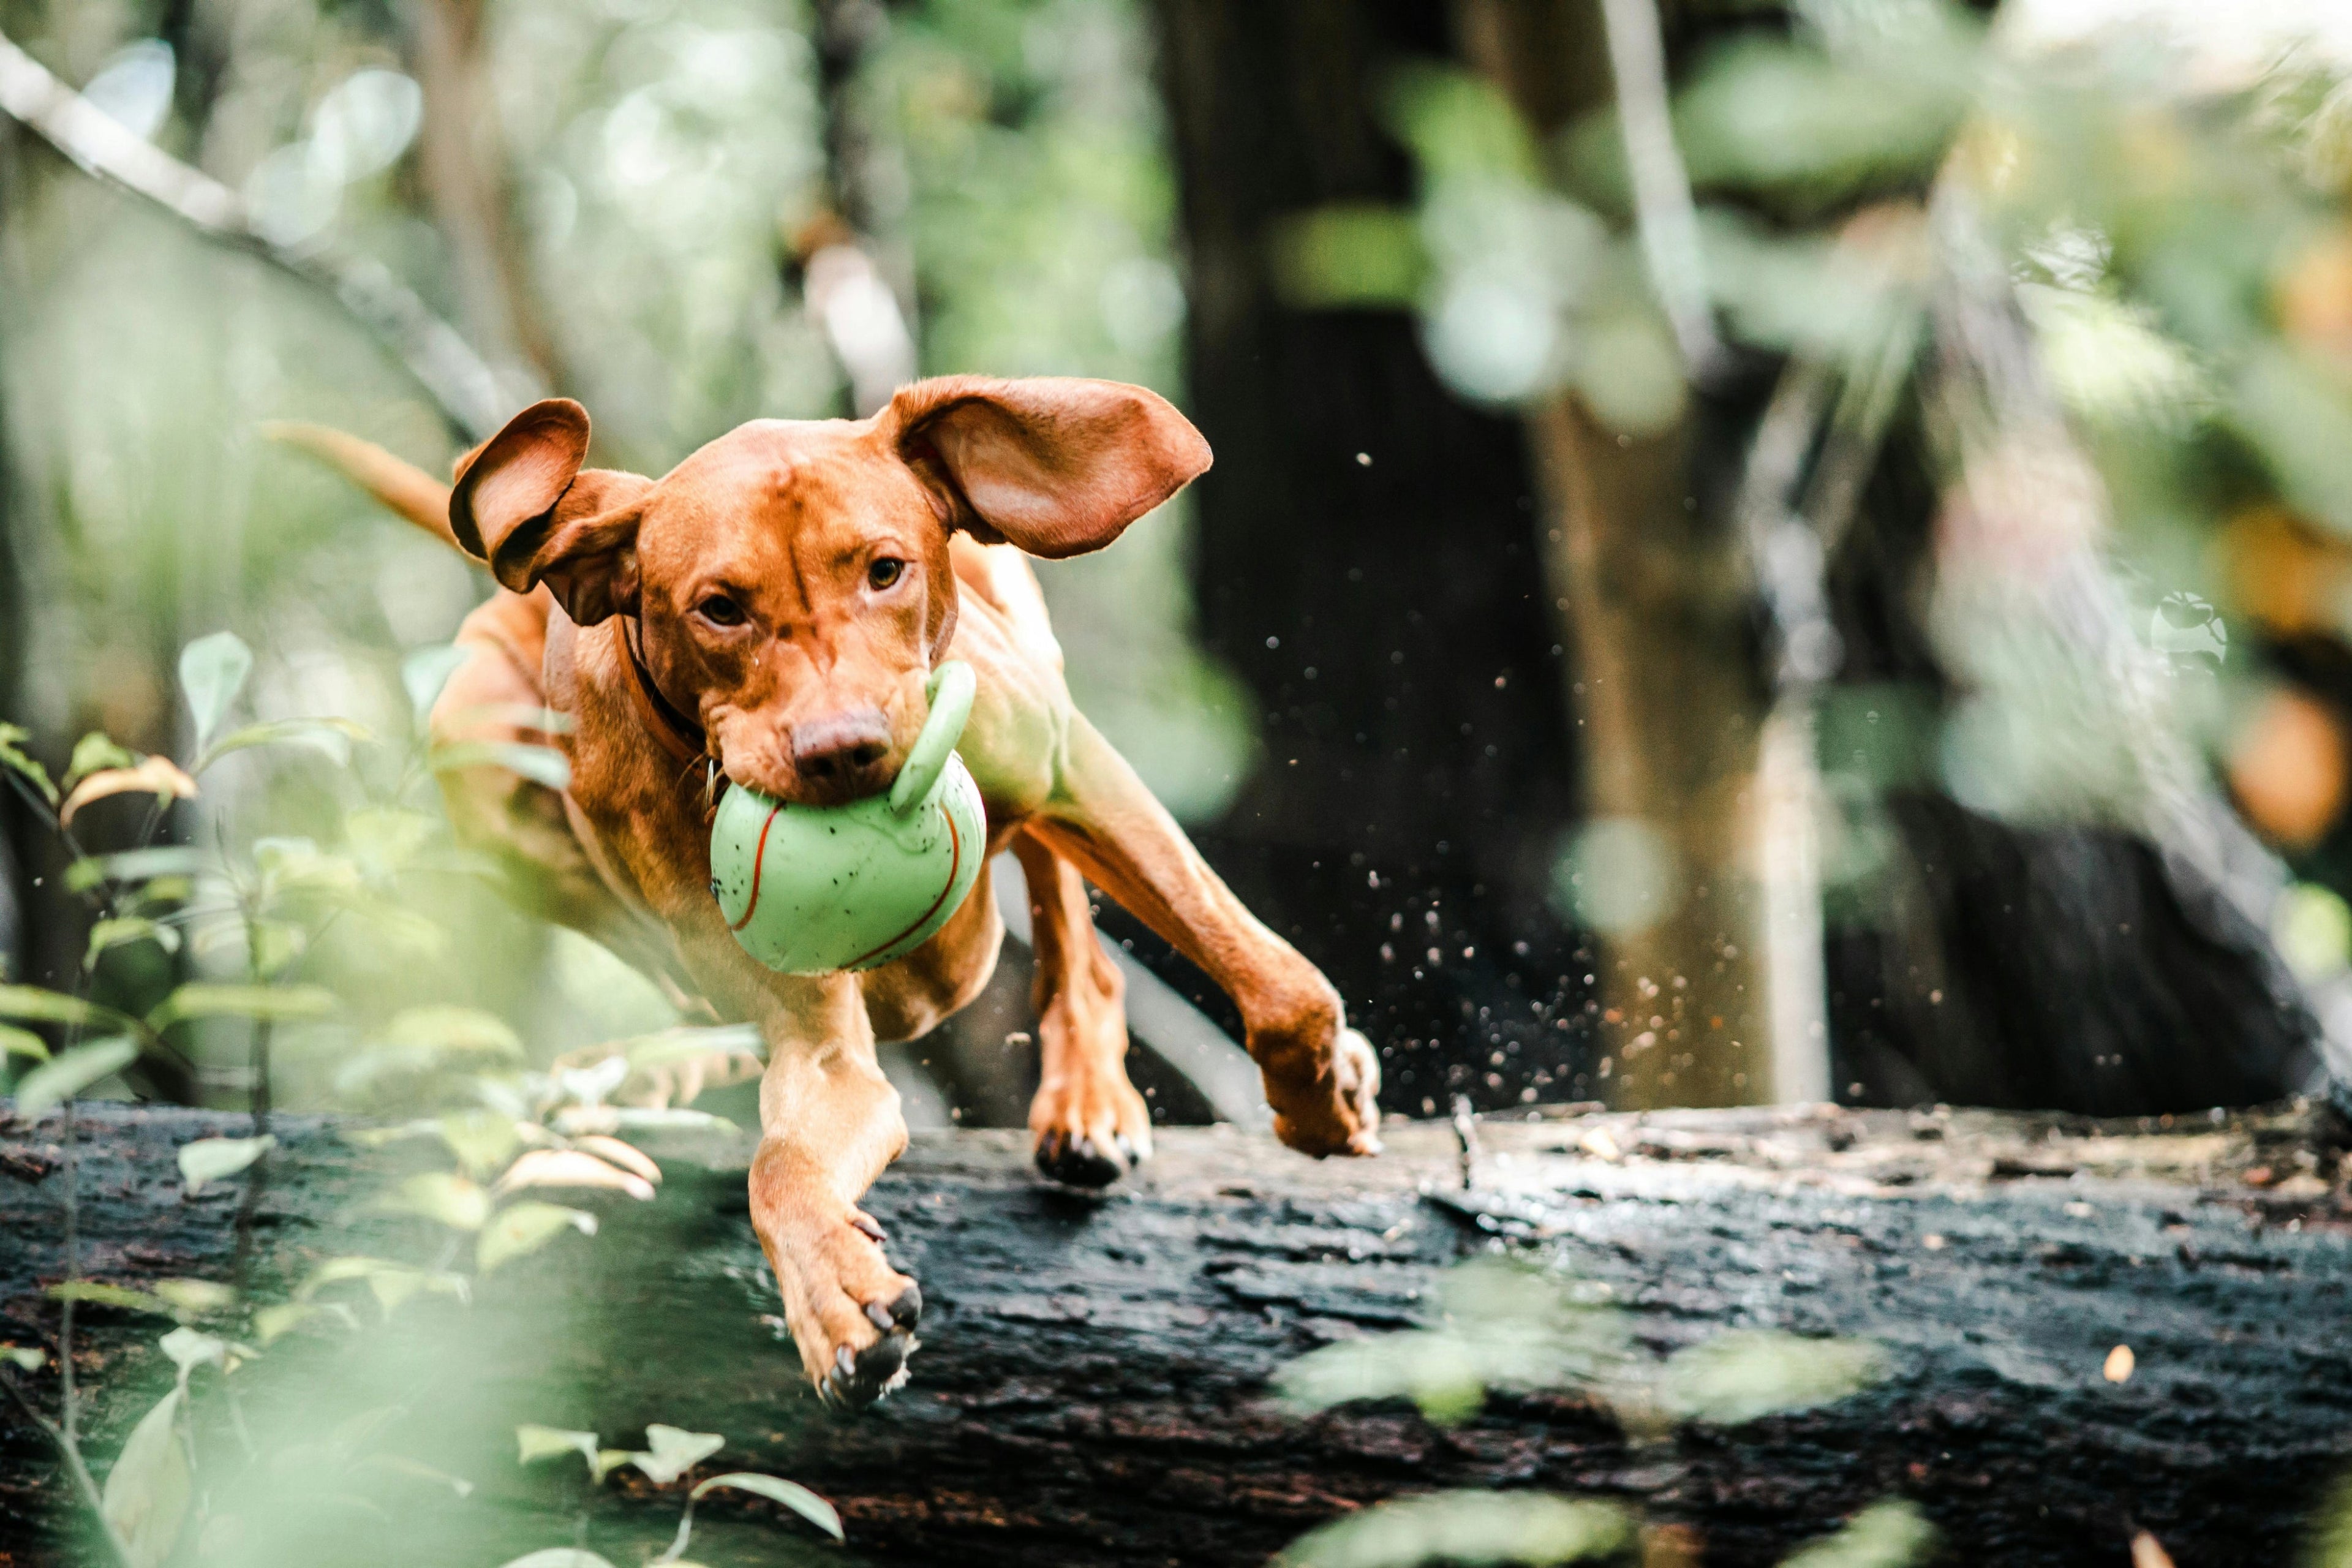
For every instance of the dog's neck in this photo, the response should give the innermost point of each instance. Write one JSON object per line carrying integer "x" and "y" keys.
{"x": 679, "y": 735}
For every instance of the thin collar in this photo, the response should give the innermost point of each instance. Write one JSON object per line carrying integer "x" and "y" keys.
{"x": 680, "y": 736}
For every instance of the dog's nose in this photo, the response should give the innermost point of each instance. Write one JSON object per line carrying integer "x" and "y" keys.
{"x": 839, "y": 754}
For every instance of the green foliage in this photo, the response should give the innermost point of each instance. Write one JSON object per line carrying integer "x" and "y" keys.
{"x": 1738, "y": 1377}
{"x": 213, "y": 670}
{"x": 59, "y": 1079}
{"x": 1466, "y": 1527}
{"x": 209, "y": 1160}
{"x": 1891, "y": 1534}
{"x": 15, "y": 760}
{"x": 149, "y": 1488}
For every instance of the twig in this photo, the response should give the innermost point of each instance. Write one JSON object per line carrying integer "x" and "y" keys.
{"x": 71, "y": 1451}
{"x": 467, "y": 390}
{"x": 1664, "y": 211}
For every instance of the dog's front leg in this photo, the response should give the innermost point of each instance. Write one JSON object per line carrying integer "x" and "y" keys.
{"x": 1321, "y": 1077}
{"x": 829, "y": 1124}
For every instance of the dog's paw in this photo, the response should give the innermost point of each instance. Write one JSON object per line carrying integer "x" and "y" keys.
{"x": 1337, "y": 1110}
{"x": 852, "y": 1315}
{"x": 1090, "y": 1134}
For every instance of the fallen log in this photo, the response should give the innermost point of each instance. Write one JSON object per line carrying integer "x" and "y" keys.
{"x": 1092, "y": 1387}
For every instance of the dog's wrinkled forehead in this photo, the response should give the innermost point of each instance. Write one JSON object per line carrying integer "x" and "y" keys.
{"x": 785, "y": 482}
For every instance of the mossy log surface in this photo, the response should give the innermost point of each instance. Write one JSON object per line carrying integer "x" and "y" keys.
{"x": 1092, "y": 1385}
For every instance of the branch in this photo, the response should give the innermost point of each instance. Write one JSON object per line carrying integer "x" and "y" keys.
{"x": 467, "y": 393}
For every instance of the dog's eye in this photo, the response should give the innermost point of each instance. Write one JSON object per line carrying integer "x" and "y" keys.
{"x": 883, "y": 572}
{"x": 721, "y": 611}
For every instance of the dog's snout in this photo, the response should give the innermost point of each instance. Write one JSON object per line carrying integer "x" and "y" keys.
{"x": 841, "y": 753}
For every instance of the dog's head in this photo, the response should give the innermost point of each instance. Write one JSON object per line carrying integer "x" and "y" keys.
{"x": 791, "y": 578}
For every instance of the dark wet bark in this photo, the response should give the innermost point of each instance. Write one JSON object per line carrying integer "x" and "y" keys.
{"x": 1091, "y": 1387}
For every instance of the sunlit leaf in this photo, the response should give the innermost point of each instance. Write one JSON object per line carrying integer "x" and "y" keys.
{"x": 392, "y": 1283}
{"x": 525, "y": 1227}
{"x": 25, "y": 1358}
{"x": 558, "y": 1557}
{"x": 1740, "y": 1376}
{"x": 209, "y": 1160}
{"x": 59, "y": 1079}
{"x": 482, "y": 1140}
{"x": 671, "y": 1451}
{"x": 537, "y": 1443}
{"x": 191, "y": 1348}
{"x": 95, "y": 753}
{"x": 212, "y": 672}
{"x": 791, "y": 1494}
{"x": 441, "y": 1196}
{"x": 415, "y": 1470}
{"x": 14, "y": 757}
{"x": 159, "y": 776}
{"x": 265, "y": 1003}
{"x": 590, "y": 1085}
{"x": 1889, "y": 1534}
{"x": 45, "y": 1006}
{"x": 147, "y": 1492}
{"x": 15, "y": 1041}
{"x": 103, "y": 1295}
{"x": 1466, "y": 1527}
{"x": 426, "y": 671}
{"x": 541, "y": 764}
{"x": 195, "y": 1298}
{"x": 571, "y": 1168}
{"x": 330, "y": 738}
{"x": 123, "y": 929}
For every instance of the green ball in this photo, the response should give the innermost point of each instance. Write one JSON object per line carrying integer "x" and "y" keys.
{"x": 812, "y": 889}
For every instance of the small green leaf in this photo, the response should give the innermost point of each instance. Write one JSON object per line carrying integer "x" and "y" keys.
{"x": 25, "y": 1358}
{"x": 138, "y": 866}
{"x": 192, "y": 1347}
{"x": 525, "y": 1227}
{"x": 95, "y": 753}
{"x": 102, "y": 1295}
{"x": 147, "y": 1492}
{"x": 126, "y": 928}
{"x": 269, "y": 1323}
{"x": 426, "y": 671}
{"x": 54, "y": 1083}
{"x": 209, "y": 1160}
{"x": 212, "y": 672}
{"x": 558, "y": 1557}
{"x": 1889, "y": 1534}
{"x": 269, "y": 1004}
{"x": 675, "y": 1451}
{"x": 671, "y": 1047}
{"x": 44, "y": 1006}
{"x": 14, "y": 757}
{"x": 791, "y": 1494}
{"x": 533, "y": 1443}
{"x": 196, "y": 1298}
{"x": 385, "y": 839}
{"x": 331, "y": 738}
{"x": 482, "y": 1139}
{"x": 441, "y": 1196}
{"x": 17, "y": 1042}
{"x": 1464, "y": 1527}
{"x": 541, "y": 764}
{"x": 1738, "y": 1378}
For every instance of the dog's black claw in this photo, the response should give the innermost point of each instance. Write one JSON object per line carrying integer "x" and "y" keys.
{"x": 1078, "y": 1164}
{"x": 909, "y": 1307}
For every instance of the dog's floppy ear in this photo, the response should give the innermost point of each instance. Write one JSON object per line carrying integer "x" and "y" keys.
{"x": 1052, "y": 464}
{"x": 523, "y": 504}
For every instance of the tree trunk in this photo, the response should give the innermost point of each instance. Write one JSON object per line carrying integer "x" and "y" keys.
{"x": 1092, "y": 1387}
{"x": 1367, "y": 566}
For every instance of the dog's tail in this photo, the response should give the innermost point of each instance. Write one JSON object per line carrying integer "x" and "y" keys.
{"x": 402, "y": 486}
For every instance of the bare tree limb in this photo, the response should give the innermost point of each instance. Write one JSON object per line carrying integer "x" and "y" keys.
{"x": 469, "y": 396}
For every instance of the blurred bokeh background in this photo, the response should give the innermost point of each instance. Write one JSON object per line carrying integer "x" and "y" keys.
{"x": 1757, "y": 550}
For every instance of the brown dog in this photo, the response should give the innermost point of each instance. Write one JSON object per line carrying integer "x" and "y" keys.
{"x": 769, "y": 612}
